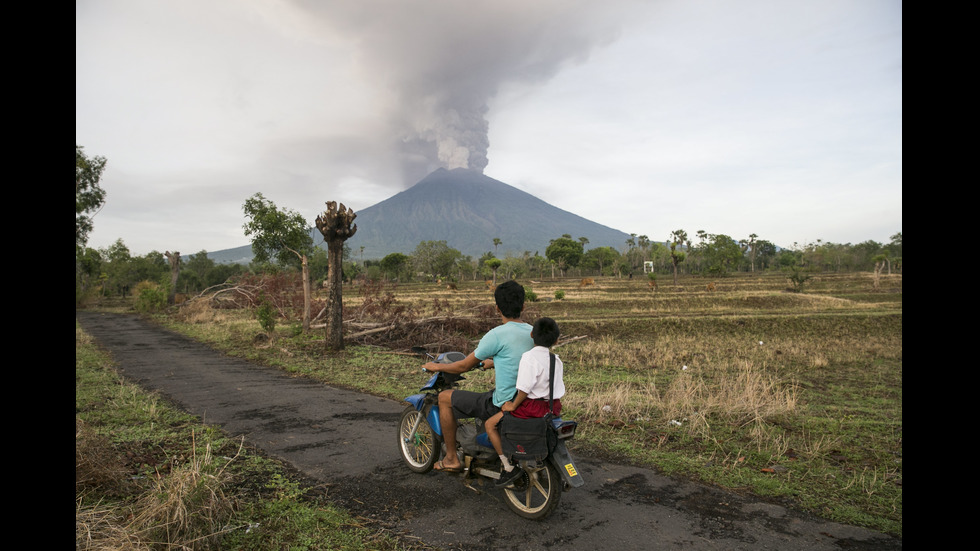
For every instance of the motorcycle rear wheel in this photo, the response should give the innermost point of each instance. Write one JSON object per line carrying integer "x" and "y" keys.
{"x": 419, "y": 451}
{"x": 536, "y": 494}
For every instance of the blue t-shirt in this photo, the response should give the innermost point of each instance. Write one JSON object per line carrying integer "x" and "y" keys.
{"x": 505, "y": 344}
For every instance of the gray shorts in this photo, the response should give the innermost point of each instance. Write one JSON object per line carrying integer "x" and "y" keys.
{"x": 468, "y": 404}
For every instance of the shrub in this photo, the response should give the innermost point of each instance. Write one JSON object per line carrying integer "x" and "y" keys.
{"x": 797, "y": 277}
{"x": 266, "y": 315}
{"x": 150, "y": 297}
{"x": 530, "y": 295}
{"x": 559, "y": 294}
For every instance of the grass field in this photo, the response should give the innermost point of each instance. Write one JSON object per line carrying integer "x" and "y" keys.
{"x": 732, "y": 381}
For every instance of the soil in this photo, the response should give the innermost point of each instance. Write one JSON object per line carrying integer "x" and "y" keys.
{"x": 344, "y": 445}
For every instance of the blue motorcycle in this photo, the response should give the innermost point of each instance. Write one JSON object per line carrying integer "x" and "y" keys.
{"x": 534, "y": 495}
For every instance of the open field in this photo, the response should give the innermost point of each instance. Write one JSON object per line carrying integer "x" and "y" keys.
{"x": 733, "y": 381}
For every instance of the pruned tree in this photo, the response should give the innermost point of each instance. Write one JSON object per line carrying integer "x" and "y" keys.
{"x": 676, "y": 257}
{"x": 283, "y": 235}
{"x": 336, "y": 225}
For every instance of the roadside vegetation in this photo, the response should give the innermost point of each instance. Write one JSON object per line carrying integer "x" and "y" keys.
{"x": 741, "y": 381}
{"x": 148, "y": 476}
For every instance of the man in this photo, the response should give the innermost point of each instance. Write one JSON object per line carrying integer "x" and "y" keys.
{"x": 500, "y": 349}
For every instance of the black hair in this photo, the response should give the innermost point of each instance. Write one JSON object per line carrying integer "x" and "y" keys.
{"x": 509, "y": 297}
{"x": 545, "y": 332}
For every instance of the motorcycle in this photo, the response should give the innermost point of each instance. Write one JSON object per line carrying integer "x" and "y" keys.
{"x": 534, "y": 495}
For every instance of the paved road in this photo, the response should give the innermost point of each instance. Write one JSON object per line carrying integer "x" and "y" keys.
{"x": 347, "y": 441}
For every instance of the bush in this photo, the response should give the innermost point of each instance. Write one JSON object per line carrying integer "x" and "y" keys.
{"x": 530, "y": 295}
{"x": 559, "y": 294}
{"x": 797, "y": 277}
{"x": 150, "y": 297}
{"x": 266, "y": 315}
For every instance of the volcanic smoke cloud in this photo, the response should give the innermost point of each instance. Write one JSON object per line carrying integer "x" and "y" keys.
{"x": 442, "y": 61}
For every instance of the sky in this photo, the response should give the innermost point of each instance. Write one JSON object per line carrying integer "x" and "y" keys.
{"x": 779, "y": 118}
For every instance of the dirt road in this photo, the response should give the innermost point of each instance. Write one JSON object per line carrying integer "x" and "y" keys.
{"x": 347, "y": 441}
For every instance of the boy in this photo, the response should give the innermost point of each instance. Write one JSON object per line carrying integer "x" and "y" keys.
{"x": 532, "y": 391}
{"x": 505, "y": 344}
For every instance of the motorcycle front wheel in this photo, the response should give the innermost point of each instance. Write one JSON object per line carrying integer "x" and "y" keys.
{"x": 536, "y": 494}
{"x": 421, "y": 449}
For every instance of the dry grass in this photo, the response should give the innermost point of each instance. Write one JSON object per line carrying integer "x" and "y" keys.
{"x": 202, "y": 311}
{"x": 104, "y": 528}
{"x": 188, "y": 505}
{"x": 749, "y": 397}
{"x": 619, "y": 402}
{"x": 98, "y": 466}
{"x": 185, "y": 508}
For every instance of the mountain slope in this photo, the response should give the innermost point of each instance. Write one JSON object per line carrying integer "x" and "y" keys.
{"x": 466, "y": 209}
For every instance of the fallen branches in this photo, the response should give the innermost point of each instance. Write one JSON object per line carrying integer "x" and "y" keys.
{"x": 439, "y": 333}
{"x": 568, "y": 340}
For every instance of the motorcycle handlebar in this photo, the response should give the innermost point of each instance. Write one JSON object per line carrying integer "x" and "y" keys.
{"x": 422, "y": 351}
{"x": 479, "y": 366}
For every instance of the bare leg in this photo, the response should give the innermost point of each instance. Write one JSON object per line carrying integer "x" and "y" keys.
{"x": 490, "y": 425}
{"x": 508, "y": 473}
{"x": 448, "y": 422}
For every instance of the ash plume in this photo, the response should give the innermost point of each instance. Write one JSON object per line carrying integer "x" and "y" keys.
{"x": 441, "y": 62}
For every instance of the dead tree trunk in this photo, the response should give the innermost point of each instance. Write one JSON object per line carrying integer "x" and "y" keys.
{"x": 307, "y": 292}
{"x": 337, "y": 226}
{"x": 174, "y": 258}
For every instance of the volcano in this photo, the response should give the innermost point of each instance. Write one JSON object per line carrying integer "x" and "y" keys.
{"x": 467, "y": 210}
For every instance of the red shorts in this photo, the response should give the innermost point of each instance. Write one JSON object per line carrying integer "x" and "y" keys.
{"x": 529, "y": 409}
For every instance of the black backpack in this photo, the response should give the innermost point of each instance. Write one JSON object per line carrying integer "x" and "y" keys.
{"x": 535, "y": 438}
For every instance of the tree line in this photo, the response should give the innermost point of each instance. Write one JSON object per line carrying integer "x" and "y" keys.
{"x": 114, "y": 272}
{"x": 281, "y": 242}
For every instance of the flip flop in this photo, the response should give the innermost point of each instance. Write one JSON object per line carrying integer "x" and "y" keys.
{"x": 443, "y": 469}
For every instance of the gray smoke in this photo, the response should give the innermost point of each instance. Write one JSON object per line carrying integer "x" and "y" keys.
{"x": 442, "y": 61}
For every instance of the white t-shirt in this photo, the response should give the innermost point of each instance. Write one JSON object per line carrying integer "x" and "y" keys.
{"x": 532, "y": 374}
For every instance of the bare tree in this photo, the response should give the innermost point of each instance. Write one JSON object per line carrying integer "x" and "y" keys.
{"x": 336, "y": 225}
{"x": 174, "y": 258}
{"x": 880, "y": 261}
{"x": 750, "y": 243}
{"x": 679, "y": 237}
